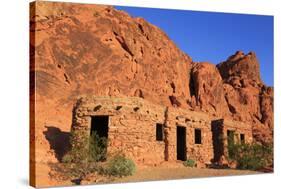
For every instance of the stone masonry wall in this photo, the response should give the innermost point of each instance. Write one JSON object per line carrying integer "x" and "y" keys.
{"x": 132, "y": 129}
{"x": 132, "y": 126}
{"x": 203, "y": 152}
{"x": 238, "y": 128}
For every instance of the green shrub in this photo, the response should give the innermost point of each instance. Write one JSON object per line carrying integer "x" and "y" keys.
{"x": 79, "y": 154}
{"x": 81, "y": 161}
{"x": 96, "y": 152}
{"x": 77, "y": 163}
{"x": 120, "y": 166}
{"x": 189, "y": 163}
{"x": 67, "y": 158}
{"x": 97, "y": 148}
{"x": 251, "y": 156}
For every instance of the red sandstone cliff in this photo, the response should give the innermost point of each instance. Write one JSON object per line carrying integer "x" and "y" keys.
{"x": 97, "y": 50}
{"x": 248, "y": 98}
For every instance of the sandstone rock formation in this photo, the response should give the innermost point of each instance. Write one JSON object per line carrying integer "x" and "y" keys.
{"x": 88, "y": 49}
{"x": 207, "y": 87}
{"x": 248, "y": 98}
{"x": 92, "y": 49}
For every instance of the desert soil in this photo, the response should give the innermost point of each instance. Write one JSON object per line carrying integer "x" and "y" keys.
{"x": 162, "y": 173}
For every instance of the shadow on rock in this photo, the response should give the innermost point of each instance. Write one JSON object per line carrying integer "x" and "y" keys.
{"x": 58, "y": 140}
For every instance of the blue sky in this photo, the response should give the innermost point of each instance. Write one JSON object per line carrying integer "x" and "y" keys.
{"x": 213, "y": 37}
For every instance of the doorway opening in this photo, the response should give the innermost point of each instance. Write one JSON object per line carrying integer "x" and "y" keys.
{"x": 98, "y": 138}
{"x": 217, "y": 138}
{"x": 181, "y": 143}
{"x": 230, "y": 143}
{"x": 230, "y": 137}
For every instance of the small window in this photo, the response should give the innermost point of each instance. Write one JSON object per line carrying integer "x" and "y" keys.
{"x": 159, "y": 132}
{"x": 197, "y": 136}
{"x": 242, "y": 138}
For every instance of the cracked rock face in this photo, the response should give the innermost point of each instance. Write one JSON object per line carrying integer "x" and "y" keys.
{"x": 248, "y": 98}
{"x": 208, "y": 89}
{"x": 97, "y": 50}
{"x": 88, "y": 49}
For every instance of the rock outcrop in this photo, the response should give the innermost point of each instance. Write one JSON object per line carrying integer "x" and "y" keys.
{"x": 208, "y": 92}
{"x": 92, "y": 49}
{"x": 248, "y": 98}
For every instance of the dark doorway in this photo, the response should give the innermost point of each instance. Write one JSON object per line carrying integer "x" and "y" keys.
{"x": 98, "y": 138}
{"x": 181, "y": 143}
{"x": 230, "y": 137}
{"x": 217, "y": 137}
{"x": 99, "y": 124}
{"x": 230, "y": 143}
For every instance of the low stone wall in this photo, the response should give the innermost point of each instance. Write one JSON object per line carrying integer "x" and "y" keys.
{"x": 132, "y": 124}
{"x": 132, "y": 129}
{"x": 238, "y": 128}
{"x": 191, "y": 120}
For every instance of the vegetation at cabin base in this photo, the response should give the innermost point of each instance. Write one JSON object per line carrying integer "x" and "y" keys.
{"x": 189, "y": 163}
{"x": 251, "y": 156}
{"x": 97, "y": 148}
{"x": 120, "y": 166}
{"x": 80, "y": 162}
{"x": 79, "y": 151}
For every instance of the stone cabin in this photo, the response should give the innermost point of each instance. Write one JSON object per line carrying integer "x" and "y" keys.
{"x": 151, "y": 134}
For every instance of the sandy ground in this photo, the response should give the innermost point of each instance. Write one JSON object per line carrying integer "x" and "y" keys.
{"x": 162, "y": 172}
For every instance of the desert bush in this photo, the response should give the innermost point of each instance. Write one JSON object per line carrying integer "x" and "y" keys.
{"x": 97, "y": 148}
{"x": 81, "y": 161}
{"x": 96, "y": 151}
{"x": 189, "y": 163}
{"x": 79, "y": 152}
{"x": 251, "y": 156}
{"x": 77, "y": 163}
{"x": 120, "y": 166}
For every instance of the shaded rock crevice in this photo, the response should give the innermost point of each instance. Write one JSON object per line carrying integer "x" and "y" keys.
{"x": 123, "y": 43}
{"x": 191, "y": 85}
